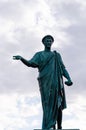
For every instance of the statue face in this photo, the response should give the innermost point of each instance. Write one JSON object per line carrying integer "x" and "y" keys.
{"x": 48, "y": 42}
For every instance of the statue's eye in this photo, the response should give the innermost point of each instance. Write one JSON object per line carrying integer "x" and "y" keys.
{"x": 48, "y": 40}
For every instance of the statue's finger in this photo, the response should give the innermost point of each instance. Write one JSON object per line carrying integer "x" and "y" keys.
{"x": 14, "y": 57}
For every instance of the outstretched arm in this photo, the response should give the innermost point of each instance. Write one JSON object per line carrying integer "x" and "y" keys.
{"x": 18, "y": 57}
{"x": 29, "y": 63}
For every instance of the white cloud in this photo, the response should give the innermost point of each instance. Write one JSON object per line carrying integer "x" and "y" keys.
{"x": 15, "y": 111}
{"x": 74, "y": 115}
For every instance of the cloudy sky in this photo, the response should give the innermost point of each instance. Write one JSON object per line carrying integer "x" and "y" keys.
{"x": 23, "y": 23}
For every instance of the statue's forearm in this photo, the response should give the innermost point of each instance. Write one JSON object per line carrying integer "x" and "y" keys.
{"x": 66, "y": 74}
{"x": 25, "y": 61}
{"x": 28, "y": 63}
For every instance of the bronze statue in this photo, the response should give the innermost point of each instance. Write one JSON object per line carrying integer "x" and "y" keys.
{"x": 51, "y": 72}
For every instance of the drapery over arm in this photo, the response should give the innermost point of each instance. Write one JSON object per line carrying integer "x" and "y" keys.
{"x": 63, "y": 68}
{"x": 34, "y": 62}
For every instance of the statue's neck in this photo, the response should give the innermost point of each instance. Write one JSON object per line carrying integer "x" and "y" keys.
{"x": 48, "y": 49}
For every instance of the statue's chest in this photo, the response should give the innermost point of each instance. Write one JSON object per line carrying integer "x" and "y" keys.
{"x": 44, "y": 57}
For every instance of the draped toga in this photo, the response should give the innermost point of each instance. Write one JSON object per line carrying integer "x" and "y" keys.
{"x": 51, "y": 67}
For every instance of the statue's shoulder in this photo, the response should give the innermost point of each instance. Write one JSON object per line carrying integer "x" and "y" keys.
{"x": 56, "y": 52}
{"x": 38, "y": 53}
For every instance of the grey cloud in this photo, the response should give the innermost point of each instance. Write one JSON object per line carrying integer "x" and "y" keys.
{"x": 17, "y": 77}
{"x": 14, "y": 10}
{"x": 69, "y": 9}
{"x": 14, "y": 76}
{"x": 10, "y": 10}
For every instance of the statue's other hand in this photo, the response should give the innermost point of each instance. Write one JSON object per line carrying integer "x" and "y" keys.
{"x": 68, "y": 83}
{"x": 18, "y": 57}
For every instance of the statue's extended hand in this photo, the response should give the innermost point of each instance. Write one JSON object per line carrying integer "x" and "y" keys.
{"x": 68, "y": 83}
{"x": 17, "y": 57}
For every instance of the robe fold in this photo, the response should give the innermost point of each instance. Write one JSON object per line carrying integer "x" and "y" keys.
{"x": 51, "y": 67}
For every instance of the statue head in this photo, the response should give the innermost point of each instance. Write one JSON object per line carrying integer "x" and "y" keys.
{"x": 47, "y": 40}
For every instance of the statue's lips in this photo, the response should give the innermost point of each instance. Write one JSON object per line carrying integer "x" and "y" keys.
{"x": 48, "y": 45}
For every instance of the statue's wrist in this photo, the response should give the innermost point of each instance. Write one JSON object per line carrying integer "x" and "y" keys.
{"x": 69, "y": 80}
{"x": 20, "y": 58}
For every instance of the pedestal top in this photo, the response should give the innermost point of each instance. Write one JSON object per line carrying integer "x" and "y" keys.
{"x": 57, "y": 129}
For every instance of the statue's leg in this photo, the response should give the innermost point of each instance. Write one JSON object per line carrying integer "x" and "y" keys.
{"x": 59, "y": 118}
{"x": 54, "y": 127}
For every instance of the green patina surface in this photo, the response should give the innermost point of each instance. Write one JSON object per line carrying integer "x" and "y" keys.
{"x": 51, "y": 72}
